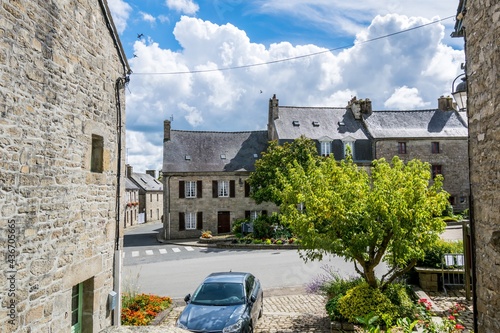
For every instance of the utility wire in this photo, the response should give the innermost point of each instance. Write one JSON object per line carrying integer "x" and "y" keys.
{"x": 297, "y": 57}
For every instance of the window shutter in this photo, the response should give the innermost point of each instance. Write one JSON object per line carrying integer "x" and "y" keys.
{"x": 214, "y": 189}
{"x": 199, "y": 220}
{"x": 199, "y": 188}
{"x": 247, "y": 189}
{"x": 182, "y": 189}
{"x": 247, "y": 214}
{"x": 232, "y": 188}
{"x": 182, "y": 222}
{"x": 264, "y": 212}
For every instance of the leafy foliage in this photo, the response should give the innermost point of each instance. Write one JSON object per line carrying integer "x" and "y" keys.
{"x": 391, "y": 213}
{"x": 264, "y": 182}
{"x": 434, "y": 254}
{"x": 364, "y": 300}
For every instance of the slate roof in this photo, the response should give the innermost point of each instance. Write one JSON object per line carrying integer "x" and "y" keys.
{"x": 240, "y": 150}
{"x": 415, "y": 124}
{"x": 147, "y": 182}
{"x": 130, "y": 185}
{"x": 334, "y": 123}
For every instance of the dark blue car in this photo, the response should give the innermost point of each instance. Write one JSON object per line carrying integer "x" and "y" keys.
{"x": 226, "y": 302}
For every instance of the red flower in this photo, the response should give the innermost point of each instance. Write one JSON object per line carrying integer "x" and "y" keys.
{"x": 459, "y": 327}
{"x": 450, "y": 317}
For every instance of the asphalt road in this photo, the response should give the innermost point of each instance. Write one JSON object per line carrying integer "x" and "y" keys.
{"x": 176, "y": 270}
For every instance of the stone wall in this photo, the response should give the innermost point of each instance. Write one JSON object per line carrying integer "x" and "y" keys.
{"x": 210, "y": 206}
{"x": 482, "y": 28}
{"x": 59, "y": 66}
{"x": 452, "y": 157}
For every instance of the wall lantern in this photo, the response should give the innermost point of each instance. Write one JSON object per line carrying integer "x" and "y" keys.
{"x": 459, "y": 92}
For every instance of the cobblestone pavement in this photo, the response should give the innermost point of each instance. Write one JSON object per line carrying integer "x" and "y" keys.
{"x": 454, "y": 296}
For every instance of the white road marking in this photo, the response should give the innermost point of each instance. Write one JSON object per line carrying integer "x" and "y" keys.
{"x": 176, "y": 249}
{"x": 189, "y": 248}
{"x": 162, "y": 251}
{"x": 135, "y": 253}
{"x": 149, "y": 252}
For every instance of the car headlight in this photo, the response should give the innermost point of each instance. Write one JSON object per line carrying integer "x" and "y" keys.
{"x": 234, "y": 328}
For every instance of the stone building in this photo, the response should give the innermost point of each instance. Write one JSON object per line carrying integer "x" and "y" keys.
{"x": 132, "y": 201}
{"x": 437, "y": 136}
{"x": 62, "y": 116}
{"x": 479, "y": 22}
{"x": 150, "y": 194}
{"x": 205, "y": 180}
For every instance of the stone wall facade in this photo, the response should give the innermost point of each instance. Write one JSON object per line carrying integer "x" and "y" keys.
{"x": 482, "y": 28}
{"x": 152, "y": 202}
{"x": 452, "y": 157}
{"x": 59, "y": 156}
{"x": 210, "y": 207}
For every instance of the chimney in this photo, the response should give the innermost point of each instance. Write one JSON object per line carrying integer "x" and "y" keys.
{"x": 130, "y": 170}
{"x": 358, "y": 107}
{"x": 273, "y": 115}
{"x": 166, "y": 130}
{"x": 445, "y": 103}
{"x": 152, "y": 173}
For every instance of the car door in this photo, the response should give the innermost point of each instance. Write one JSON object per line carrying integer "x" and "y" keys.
{"x": 250, "y": 285}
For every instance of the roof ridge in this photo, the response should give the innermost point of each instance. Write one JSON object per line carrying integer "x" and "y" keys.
{"x": 313, "y": 107}
{"x": 222, "y": 132}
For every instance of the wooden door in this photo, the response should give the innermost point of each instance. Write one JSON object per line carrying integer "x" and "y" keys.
{"x": 223, "y": 222}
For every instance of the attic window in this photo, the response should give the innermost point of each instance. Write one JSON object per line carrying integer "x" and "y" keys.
{"x": 316, "y": 123}
{"x": 341, "y": 123}
{"x": 143, "y": 180}
{"x": 188, "y": 157}
{"x": 255, "y": 155}
{"x": 296, "y": 123}
{"x": 222, "y": 156}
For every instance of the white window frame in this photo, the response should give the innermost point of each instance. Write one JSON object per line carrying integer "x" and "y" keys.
{"x": 348, "y": 143}
{"x": 254, "y": 214}
{"x": 77, "y": 309}
{"x": 190, "y": 187}
{"x": 223, "y": 188}
{"x": 326, "y": 148}
{"x": 190, "y": 221}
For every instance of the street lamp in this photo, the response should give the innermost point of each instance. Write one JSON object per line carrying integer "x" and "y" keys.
{"x": 459, "y": 92}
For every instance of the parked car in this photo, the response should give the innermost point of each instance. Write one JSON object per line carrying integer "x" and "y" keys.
{"x": 226, "y": 302}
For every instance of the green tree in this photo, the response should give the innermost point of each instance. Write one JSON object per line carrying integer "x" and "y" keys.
{"x": 389, "y": 213}
{"x": 264, "y": 181}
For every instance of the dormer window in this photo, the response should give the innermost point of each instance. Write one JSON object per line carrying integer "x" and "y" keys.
{"x": 326, "y": 148}
{"x": 348, "y": 147}
{"x": 188, "y": 158}
{"x": 296, "y": 123}
{"x": 316, "y": 123}
{"x": 222, "y": 156}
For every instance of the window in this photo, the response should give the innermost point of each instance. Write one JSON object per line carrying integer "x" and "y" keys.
{"x": 301, "y": 207}
{"x": 190, "y": 189}
{"x": 401, "y": 147}
{"x": 348, "y": 148}
{"x": 190, "y": 221}
{"x": 76, "y": 308}
{"x": 435, "y": 148}
{"x": 326, "y": 148}
{"x": 253, "y": 215}
{"x": 436, "y": 170}
{"x": 96, "y": 160}
{"x": 223, "y": 188}
{"x": 151, "y": 197}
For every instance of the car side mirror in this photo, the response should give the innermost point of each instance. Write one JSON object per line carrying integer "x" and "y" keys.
{"x": 253, "y": 299}
{"x": 187, "y": 298}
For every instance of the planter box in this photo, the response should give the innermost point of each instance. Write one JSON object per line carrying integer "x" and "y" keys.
{"x": 429, "y": 279}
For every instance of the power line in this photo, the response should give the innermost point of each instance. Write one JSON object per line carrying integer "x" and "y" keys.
{"x": 297, "y": 57}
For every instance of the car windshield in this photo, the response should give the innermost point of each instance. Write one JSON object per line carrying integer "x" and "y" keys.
{"x": 219, "y": 294}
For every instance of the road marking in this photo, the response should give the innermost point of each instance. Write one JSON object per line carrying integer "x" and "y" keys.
{"x": 162, "y": 251}
{"x": 189, "y": 248}
{"x": 176, "y": 249}
{"x": 135, "y": 253}
{"x": 149, "y": 252}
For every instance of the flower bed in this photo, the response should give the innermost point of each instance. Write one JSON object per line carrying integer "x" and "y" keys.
{"x": 141, "y": 309}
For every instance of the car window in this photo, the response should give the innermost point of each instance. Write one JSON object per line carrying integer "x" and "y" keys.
{"x": 219, "y": 294}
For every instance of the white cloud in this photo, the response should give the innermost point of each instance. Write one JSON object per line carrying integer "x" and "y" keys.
{"x": 405, "y": 71}
{"x": 183, "y": 6}
{"x": 141, "y": 153}
{"x": 121, "y": 11}
{"x": 148, "y": 17}
{"x": 405, "y": 98}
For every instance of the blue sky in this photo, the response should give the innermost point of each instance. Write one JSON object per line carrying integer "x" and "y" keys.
{"x": 406, "y": 71}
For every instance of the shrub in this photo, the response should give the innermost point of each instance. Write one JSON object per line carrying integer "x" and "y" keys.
{"x": 399, "y": 295}
{"x": 236, "y": 229}
{"x": 434, "y": 255}
{"x": 262, "y": 227}
{"x": 363, "y": 300}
